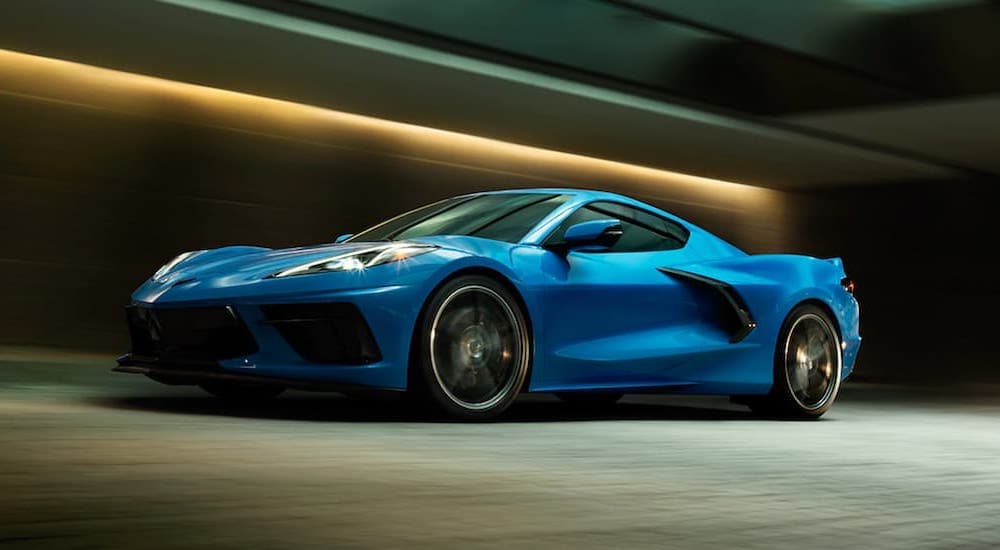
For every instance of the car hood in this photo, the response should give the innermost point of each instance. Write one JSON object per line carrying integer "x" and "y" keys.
{"x": 251, "y": 263}
{"x": 236, "y": 272}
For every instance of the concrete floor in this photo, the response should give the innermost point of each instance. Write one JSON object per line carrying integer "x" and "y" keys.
{"x": 90, "y": 459}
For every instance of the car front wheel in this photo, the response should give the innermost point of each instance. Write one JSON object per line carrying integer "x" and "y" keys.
{"x": 473, "y": 348}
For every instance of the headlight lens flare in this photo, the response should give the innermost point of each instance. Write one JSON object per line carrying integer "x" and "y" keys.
{"x": 359, "y": 260}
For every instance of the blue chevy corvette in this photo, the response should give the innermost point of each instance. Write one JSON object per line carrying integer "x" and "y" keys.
{"x": 470, "y": 301}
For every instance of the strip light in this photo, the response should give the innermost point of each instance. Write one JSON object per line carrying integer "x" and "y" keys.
{"x": 49, "y": 79}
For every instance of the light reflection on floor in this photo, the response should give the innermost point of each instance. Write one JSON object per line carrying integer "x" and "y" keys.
{"x": 95, "y": 459}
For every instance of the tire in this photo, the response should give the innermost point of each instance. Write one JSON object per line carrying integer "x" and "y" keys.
{"x": 808, "y": 362}
{"x": 472, "y": 349}
{"x": 242, "y": 393}
{"x": 590, "y": 400}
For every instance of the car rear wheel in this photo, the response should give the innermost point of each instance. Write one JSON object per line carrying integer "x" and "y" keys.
{"x": 474, "y": 349}
{"x": 807, "y": 367}
{"x": 244, "y": 393}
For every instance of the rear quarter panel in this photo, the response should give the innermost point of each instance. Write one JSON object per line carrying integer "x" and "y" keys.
{"x": 773, "y": 284}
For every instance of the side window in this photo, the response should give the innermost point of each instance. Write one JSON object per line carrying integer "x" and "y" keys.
{"x": 643, "y": 232}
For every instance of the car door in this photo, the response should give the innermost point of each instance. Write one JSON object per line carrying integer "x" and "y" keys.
{"x": 611, "y": 318}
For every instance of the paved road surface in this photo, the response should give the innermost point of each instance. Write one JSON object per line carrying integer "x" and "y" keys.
{"x": 90, "y": 459}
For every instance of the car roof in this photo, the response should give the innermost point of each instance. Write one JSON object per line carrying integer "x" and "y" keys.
{"x": 582, "y": 196}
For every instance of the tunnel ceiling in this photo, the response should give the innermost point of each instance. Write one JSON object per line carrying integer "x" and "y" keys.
{"x": 916, "y": 77}
{"x": 637, "y": 45}
{"x": 780, "y": 94}
{"x": 765, "y": 58}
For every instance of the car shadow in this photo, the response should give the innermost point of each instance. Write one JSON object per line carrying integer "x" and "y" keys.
{"x": 336, "y": 408}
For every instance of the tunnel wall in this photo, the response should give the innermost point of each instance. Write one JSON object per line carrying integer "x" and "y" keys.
{"x": 923, "y": 255}
{"x": 107, "y": 175}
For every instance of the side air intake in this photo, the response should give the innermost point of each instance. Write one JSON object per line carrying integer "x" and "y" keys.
{"x": 742, "y": 320}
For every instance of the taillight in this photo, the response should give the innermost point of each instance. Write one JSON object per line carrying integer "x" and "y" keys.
{"x": 848, "y": 284}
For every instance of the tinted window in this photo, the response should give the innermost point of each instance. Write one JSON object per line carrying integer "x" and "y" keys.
{"x": 503, "y": 216}
{"x": 642, "y": 231}
{"x": 514, "y": 226}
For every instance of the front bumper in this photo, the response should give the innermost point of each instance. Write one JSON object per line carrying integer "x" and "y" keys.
{"x": 348, "y": 339}
{"x": 182, "y": 374}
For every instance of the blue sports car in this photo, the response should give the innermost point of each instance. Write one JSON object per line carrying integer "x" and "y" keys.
{"x": 470, "y": 301}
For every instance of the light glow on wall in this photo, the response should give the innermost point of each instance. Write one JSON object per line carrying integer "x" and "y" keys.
{"x": 54, "y": 80}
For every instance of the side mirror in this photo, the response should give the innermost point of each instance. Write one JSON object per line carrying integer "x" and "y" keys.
{"x": 596, "y": 234}
{"x": 343, "y": 238}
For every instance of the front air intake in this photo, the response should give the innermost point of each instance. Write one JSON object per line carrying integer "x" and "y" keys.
{"x": 330, "y": 333}
{"x": 188, "y": 334}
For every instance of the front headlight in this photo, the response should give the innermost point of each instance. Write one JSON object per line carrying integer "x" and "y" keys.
{"x": 359, "y": 260}
{"x": 169, "y": 266}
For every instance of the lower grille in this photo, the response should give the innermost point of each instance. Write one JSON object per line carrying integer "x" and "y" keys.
{"x": 188, "y": 334}
{"x": 334, "y": 333}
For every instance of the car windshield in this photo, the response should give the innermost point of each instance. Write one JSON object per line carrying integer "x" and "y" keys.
{"x": 502, "y": 217}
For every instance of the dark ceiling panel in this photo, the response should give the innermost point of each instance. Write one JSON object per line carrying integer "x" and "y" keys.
{"x": 924, "y": 48}
{"x": 630, "y": 45}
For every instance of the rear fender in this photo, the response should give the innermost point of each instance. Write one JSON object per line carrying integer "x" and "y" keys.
{"x": 771, "y": 285}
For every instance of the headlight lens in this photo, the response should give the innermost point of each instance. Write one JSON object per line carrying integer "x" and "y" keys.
{"x": 359, "y": 260}
{"x": 169, "y": 266}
